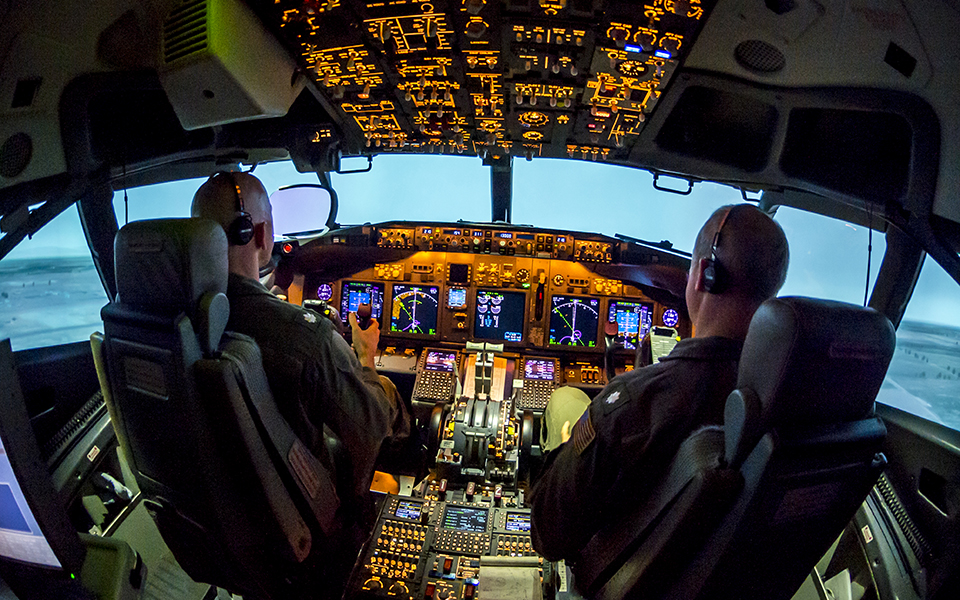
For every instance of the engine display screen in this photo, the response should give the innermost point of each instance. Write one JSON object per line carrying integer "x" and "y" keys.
{"x": 462, "y": 518}
{"x": 414, "y": 309}
{"x": 355, "y": 293}
{"x": 519, "y": 522}
{"x": 535, "y": 368}
{"x": 574, "y": 321}
{"x": 437, "y": 360}
{"x": 633, "y": 321}
{"x": 408, "y": 510}
{"x": 500, "y": 315}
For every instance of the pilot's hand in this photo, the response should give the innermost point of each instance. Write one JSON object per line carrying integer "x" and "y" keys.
{"x": 565, "y": 432}
{"x": 365, "y": 341}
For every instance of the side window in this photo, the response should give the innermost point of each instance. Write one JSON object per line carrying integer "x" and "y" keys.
{"x": 924, "y": 375}
{"x": 50, "y": 292}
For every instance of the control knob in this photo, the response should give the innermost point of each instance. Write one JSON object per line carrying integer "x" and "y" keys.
{"x": 523, "y": 275}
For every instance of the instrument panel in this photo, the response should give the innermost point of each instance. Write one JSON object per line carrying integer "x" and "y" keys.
{"x": 525, "y": 290}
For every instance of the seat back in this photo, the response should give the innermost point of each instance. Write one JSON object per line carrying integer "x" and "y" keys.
{"x": 236, "y": 496}
{"x": 799, "y": 452}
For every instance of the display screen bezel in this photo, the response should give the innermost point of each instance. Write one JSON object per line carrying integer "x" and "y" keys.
{"x": 388, "y": 324}
{"x": 505, "y": 293}
{"x": 596, "y": 333}
{"x": 481, "y": 514}
{"x": 650, "y": 312}
{"x": 343, "y": 303}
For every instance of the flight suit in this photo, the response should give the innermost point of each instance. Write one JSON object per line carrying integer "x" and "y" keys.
{"x": 316, "y": 379}
{"x": 626, "y": 439}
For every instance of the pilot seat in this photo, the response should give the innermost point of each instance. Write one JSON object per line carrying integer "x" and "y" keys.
{"x": 239, "y": 500}
{"x": 747, "y": 509}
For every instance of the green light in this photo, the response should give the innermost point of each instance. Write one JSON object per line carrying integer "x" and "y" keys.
{"x": 526, "y": 286}
{"x": 72, "y": 576}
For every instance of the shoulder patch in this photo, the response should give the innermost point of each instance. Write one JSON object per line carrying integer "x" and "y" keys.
{"x": 583, "y": 433}
{"x": 309, "y": 317}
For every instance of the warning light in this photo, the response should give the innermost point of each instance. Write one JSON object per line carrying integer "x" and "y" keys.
{"x": 287, "y": 248}
{"x": 631, "y": 48}
{"x": 661, "y": 54}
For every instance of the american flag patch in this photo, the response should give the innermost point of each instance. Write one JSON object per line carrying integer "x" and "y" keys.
{"x": 583, "y": 433}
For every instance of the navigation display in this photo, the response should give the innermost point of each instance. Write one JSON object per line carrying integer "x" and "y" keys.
{"x": 500, "y": 315}
{"x": 438, "y": 360}
{"x": 534, "y": 368}
{"x": 633, "y": 321}
{"x": 408, "y": 510}
{"x": 574, "y": 321}
{"x": 355, "y": 293}
{"x": 462, "y": 518}
{"x": 519, "y": 522}
{"x": 414, "y": 309}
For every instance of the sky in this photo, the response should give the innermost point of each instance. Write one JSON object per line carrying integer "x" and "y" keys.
{"x": 828, "y": 257}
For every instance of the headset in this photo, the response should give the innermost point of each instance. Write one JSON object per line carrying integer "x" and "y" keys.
{"x": 240, "y": 231}
{"x": 715, "y": 276}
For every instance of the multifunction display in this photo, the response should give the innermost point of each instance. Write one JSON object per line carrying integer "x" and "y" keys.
{"x": 457, "y": 297}
{"x": 538, "y": 369}
{"x": 519, "y": 522}
{"x": 462, "y": 518}
{"x": 438, "y": 360}
{"x": 574, "y": 321}
{"x": 633, "y": 321}
{"x": 355, "y": 293}
{"x": 500, "y": 315}
{"x": 408, "y": 510}
{"x": 414, "y": 309}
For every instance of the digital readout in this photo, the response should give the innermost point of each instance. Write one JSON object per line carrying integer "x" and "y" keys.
{"x": 355, "y": 293}
{"x": 440, "y": 361}
{"x": 408, "y": 510}
{"x": 538, "y": 369}
{"x": 456, "y": 297}
{"x": 462, "y": 518}
{"x": 519, "y": 522}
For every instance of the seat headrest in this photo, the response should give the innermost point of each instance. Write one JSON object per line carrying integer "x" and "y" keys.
{"x": 168, "y": 265}
{"x": 815, "y": 361}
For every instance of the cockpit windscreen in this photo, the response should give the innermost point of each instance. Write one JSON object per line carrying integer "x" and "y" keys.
{"x": 574, "y": 321}
{"x": 633, "y": 321}
{"x": 355, "y": 293}
{"x": 414, "y": 309}
{"x": 500, "y": 315}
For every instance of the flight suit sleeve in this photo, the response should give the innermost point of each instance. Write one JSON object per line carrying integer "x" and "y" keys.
{"x": 354, "y": 405}
{"x": 566, "y": 511}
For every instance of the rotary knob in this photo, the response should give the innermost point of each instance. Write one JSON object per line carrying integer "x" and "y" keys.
{"x": 523, "y": 275}
{"x": 558, "y": 280}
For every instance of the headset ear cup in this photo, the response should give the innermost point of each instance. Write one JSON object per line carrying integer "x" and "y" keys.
{"x": 241, "y": 230}
{"x": 709, "y": 275}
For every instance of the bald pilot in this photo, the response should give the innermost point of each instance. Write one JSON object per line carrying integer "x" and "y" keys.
{"x": 628, "y": 435}
{"x": 315, "y": 377}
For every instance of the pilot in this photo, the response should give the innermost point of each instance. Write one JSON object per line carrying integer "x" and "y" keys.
{"x": 627, "y": 436}
{"x": 315, "y": 377}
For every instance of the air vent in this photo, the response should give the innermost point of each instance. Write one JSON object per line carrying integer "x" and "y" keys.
{"x": 921, "y": 548}
{"x": 15, "y": 155}
{"x": 185, "y": 31}
{"x": 759, "y": 57}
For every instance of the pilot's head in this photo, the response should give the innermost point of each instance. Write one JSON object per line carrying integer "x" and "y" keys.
{"x": 239, "y": 202}
{"x": 744, "y": 265}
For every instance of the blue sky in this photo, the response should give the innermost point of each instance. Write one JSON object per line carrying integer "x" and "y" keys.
{"x": 828, "y": 257}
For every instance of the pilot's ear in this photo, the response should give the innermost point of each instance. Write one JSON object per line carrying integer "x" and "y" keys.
{"x": 697, "y": 273}
{"x": 260, "y": 234}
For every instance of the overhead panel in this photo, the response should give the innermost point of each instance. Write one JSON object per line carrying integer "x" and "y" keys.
{"x": 553, "y": 78}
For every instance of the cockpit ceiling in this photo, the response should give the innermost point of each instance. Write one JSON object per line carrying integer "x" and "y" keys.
{"x": 534, "y": 78}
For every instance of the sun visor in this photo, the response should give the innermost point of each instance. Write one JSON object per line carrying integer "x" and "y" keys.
{"x": 220, "y": 65}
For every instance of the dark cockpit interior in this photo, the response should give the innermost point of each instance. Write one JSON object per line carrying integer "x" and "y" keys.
{"x": 845, "y": 110}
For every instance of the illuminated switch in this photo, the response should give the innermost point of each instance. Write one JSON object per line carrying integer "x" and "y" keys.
{"x": 447, "y": 565}
{"x": 471, "y": 488}
{"x": 442, "y": 489}
{"x": 429, "y": 591}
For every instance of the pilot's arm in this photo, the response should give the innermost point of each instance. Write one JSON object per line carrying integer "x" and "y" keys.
{"x": 355, "y": 407}
{"x": 566, "y": 501}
